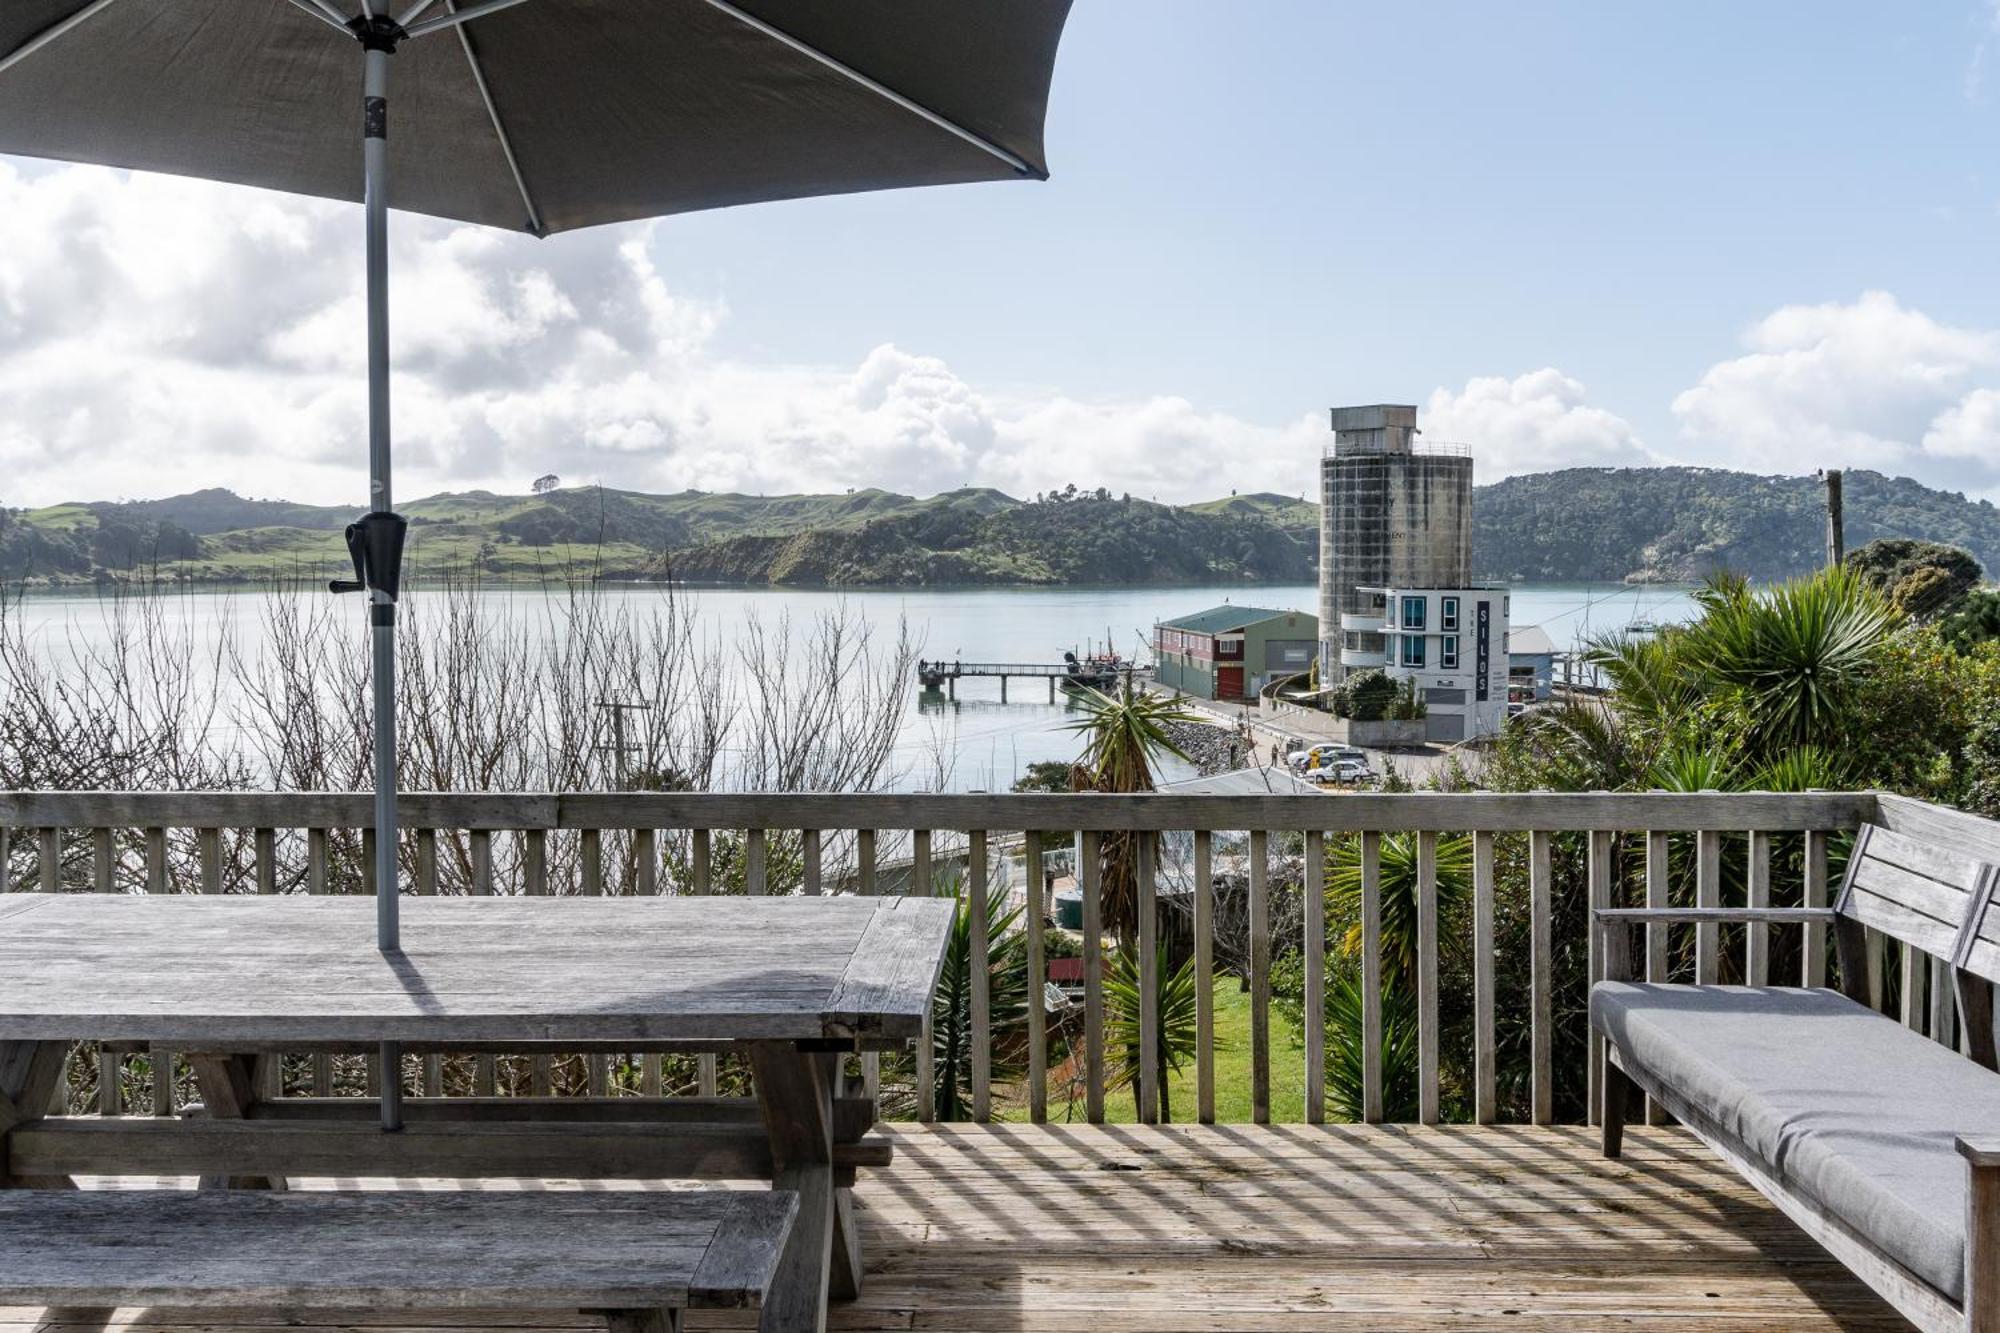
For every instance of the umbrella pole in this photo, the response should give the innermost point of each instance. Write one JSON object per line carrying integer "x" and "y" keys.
{"x": 382, "y": 600}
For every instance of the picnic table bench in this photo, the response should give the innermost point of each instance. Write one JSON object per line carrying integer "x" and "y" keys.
{"x": 638, "y": 1257}
{"x": 1879, "y": 1142}
{"x": 793, "y": 984}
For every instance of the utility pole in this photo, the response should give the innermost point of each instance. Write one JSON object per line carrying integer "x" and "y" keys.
{"x": 1836, "y": 537}
{"x": 619, "y": 746}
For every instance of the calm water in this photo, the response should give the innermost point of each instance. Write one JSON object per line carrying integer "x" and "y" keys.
{"x": 991, "y": 742}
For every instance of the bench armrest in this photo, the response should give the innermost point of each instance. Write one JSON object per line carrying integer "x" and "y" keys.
{"x": 1982, "y": 1231}
{"x": 1617, "y": 944}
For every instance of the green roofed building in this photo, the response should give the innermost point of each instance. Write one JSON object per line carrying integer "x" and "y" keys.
{"x": 1231, "y": 652}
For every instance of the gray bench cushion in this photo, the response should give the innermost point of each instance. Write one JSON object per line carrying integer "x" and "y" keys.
{"x": 1850, "y": 1108}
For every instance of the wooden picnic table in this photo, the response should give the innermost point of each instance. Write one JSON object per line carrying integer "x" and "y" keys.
{"x": 793, "y": 983}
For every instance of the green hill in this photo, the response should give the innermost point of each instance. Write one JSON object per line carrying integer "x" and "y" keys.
{"x": 1583, "y": 524}
{"x": 1675, "y": 524}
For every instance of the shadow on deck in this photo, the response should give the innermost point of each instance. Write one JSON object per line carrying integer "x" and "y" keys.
{"x": 1118, "y": 1229}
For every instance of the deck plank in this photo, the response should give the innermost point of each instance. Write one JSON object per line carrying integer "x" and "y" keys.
{"x": 1287, "y": 1228}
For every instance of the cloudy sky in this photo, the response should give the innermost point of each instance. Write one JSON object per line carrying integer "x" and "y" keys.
{"x": 1757, "y": 236}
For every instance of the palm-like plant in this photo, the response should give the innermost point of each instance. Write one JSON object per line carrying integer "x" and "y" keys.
{"x": 951, "y": 1010}
{"x": 1123, "y": 737}
{"x": 1399, "y": 879}
{"x": 1344, "y": 1063}
{"x": 1789, "y": 656}
{"x": 1175, "y": 1013}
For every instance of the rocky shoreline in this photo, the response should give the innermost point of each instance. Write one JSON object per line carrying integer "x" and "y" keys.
{"x": 1211, "y": 749}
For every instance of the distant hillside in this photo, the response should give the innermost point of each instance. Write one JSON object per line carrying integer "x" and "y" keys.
{"x": 1584, "y": 524}
{"x": 1086, "y": 538}
{"x": 1675, "y": 524}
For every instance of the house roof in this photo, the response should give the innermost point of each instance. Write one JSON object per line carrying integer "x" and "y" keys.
{"x": 1226, "y": 618}
{"x": 1530, "y": 641}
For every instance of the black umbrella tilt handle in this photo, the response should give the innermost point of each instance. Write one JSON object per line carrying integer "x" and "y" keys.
{"x": 375, "y": 543}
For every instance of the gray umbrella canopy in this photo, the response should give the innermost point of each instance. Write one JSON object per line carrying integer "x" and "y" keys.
{"x": 548, "y": 114}
{"x": 535, "y": 115}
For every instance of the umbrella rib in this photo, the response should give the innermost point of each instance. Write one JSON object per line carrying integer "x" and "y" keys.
{"x": 499, "y": 128}
{"x": 459, "y": 17}
{"x": 882, "y": 90}
{"x": 309, "y": 7}
{"x": 52, "y": 32}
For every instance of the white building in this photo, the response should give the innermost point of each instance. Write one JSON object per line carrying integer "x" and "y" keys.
{"x": 1451, "y": 641}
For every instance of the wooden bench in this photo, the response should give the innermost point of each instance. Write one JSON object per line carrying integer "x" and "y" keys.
{"x": 638, "y": 1257}
{"x": 1881, "y": 1143}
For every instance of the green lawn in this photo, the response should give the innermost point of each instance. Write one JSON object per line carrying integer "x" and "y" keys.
{"x": 1232, "y": 1073}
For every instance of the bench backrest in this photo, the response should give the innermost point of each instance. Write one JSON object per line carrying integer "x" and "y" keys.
{"x": 1913, "y": 891}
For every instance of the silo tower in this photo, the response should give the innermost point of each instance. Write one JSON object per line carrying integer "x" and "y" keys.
{"x": 1394, "y": 513}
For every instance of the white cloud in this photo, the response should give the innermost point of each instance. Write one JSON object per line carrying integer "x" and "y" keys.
{"x": 1531, "y": 423}
{"x": 1867, "y": 384}
{"x": 159, "y": 334}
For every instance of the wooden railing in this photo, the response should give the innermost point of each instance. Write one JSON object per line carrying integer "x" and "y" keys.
{"x": 1537, "y": 862}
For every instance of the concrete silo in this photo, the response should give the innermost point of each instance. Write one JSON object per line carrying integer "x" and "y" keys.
{"x": 1394, "y": 513}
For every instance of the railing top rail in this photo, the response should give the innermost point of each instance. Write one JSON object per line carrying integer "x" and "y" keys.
{"x": 1357, "y": 812}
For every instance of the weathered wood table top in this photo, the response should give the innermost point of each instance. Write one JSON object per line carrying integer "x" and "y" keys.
{"x": 200, "y": 971}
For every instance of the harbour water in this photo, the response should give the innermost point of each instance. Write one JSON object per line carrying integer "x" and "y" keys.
{"x": 986, "y": 743}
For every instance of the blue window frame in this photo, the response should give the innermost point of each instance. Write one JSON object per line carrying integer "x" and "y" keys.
{"x": 1448, "y": 613}
{"x": 1413, "y": 613}
{"x": 1413, "y": 650}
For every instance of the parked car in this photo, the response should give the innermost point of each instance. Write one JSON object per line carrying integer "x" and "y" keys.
{"x": 1347, "y": 772}
{"x": 1324, "y": 756}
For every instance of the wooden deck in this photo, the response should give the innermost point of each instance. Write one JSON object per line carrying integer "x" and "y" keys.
{"x": 1141, "y": 1229}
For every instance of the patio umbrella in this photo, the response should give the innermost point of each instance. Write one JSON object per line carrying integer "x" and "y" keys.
{"x": 534, "y": 115}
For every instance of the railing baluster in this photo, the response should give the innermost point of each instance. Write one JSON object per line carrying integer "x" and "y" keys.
{"x": 1708, "y": 893}
{"x": 1757, "y": 893}
{"x": 1204, "y": 976}
{"x": 864, "y": 862}
{"x": 1597, "y": 873}
{"x": 110, "y": 1064}
{"x": 1371, "y": 977}
{"x": 591, "y": 854}
{"x": 1485, "y": 1051}
{"x": 482, "y": 862}
{"x": 1428, "y": 1111}
{"x": 810, "y": 847}
{"x": 1815, "y": 896}
{"x": 1658, "y": 894}
{"x": 485, "y": 1068}
{"x": 646, "y": 882}
{"x": 1038, "y": 974}
{"x": 754, "y": 862}
{"x": 1314, "y": 910}
{"x": 1093, "y": 977}
{"x": 1149, "y": 980}
{"x": 6, "y": 858}
{"x": 210, "y": 842}
{"x": 162, "y": 1062}
{"x": 427, "y": 862}
{"x": 368, "y": 861}
{"x": 1914, "y": 976}
{"x": 980, "y": 969}
{"x": 535, "y": 883}
{"x": 1943, "y": 1008}
{"x": 1541, "y": 1037}
{"x": 265, "y": 841}
{"x": 316, "y": 859}
{"x": 699, "y": 868}
{"x": 51, "y": 860}
{"x": 102, "y": 860}
{"x": 646, "y": 862}
{"x": 535, "y": 862}
{"x": 1260, "y": 977}
{"x": 920, "y": 859}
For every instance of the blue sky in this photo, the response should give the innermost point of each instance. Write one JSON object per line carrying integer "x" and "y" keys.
{"x": 1269, "y": 208}
{"x": 1763, "y": 235}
